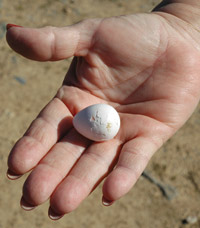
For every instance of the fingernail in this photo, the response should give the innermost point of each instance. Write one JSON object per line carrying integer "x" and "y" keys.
{"x": 26, "y": 206}
{"x": 8, "y": 26}
{"x": 106, "y": 202}
{"x": 12, "y": 176}
{"x": 53, "y": 215}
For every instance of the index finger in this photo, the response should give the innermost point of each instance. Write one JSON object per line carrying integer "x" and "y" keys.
{"x": 50, "y": 125}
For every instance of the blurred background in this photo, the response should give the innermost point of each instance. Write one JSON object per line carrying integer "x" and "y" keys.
{"x": 167, "y": 196}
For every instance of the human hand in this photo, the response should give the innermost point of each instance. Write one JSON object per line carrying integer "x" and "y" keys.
{"x": 144, "y": 65}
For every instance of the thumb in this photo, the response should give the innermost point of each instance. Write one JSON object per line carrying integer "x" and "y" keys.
{"x": 52, "y": 43}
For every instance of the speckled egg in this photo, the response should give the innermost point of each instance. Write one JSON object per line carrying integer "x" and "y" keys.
{"x": 97, "y": 122}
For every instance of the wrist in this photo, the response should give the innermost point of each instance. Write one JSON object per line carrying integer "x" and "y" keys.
{"x": 186, "y": 10}
{"x": 194, "y": 3}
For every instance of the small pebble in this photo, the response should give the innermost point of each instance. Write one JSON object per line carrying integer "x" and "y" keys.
{"x": 14, "y": 59}
{"x": 190, "y": 220}
{"x": 2, "y": 30}
{"x": 20, "y": 80}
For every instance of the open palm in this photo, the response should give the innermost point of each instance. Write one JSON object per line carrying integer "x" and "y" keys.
{"x": 141, "y": 65}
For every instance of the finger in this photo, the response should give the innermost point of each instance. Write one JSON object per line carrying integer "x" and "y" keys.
{"x": 53, "y": 121}
{"x": 51, "y": 43}
{"x": 92, "y": 167}
{"x": 143, "y": 136}
{"x": 133, "y": 159}
{"x": 53, "y": 168}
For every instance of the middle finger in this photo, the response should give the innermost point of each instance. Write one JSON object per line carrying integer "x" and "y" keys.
{"x": 95, "y": 163}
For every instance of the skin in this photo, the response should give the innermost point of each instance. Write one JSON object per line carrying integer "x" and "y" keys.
{"x": 148, "y": 69}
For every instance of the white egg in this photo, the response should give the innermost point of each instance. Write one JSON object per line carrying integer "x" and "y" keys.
{"x": 97, "y": 122}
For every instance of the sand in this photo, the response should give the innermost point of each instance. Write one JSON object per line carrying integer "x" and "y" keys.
{"x": 26, "y": 86}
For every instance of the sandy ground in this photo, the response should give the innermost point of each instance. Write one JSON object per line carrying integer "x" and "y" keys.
{"x": 26, "y": 86}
